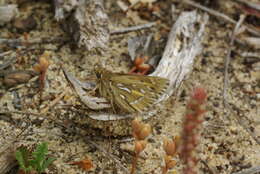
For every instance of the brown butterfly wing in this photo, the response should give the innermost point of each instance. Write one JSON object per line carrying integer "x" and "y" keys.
{"x": 133, "y": 93}
{"x": 136, "y": 93}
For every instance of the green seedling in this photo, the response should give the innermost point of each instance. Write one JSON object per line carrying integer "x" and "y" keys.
{"x": 33, "y": 162}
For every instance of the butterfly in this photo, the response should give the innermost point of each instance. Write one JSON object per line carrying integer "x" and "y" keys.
{"x": 131, "y": 93}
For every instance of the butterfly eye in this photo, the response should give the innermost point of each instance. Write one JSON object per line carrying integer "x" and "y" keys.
{"x": 99, "y": 75}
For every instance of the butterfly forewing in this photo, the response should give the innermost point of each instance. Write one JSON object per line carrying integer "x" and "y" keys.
{"x": 133, "y": 93}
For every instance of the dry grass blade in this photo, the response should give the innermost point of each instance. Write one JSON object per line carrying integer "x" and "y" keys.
{"x": 134, "y": 28}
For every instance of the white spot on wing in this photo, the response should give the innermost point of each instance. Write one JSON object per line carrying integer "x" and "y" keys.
{"x": 142, "y": 91}
{"x": 122, "y": 96}
{"x": 136, "y": 101}
{"x": 124, "y": 88}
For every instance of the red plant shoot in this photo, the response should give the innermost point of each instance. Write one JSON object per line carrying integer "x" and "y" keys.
{"x": 191, "y": 126}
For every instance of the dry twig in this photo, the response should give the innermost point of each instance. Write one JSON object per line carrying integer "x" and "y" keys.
{"x": 251, "y": 170}
{"x": 250, "y": 4}
{"x": 21, "y": 42}
{"x": 55, "y": 101}
{"x": 5, "y": 53}
{"x": 218, "y": 14}
{"x": 8, "y": 62}
{"x": 134, "y": 28}
{"x": 227, "y": 60}
{"x": 4, "y": 111}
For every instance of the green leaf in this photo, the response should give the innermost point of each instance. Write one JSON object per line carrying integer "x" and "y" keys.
{"x": 19, "y": 157}
{"x": 36, "y": 161}
{"x": 39, "y": 155}
{"x": 46, "y": 163}
{"x": 33, "y": 163}
{"x": 40, "y": 152}
{"x": 22, "y": 156}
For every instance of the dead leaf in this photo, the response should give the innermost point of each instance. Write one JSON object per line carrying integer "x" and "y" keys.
{"x": 16, "y": 77}
{"x": 86, "y": 164}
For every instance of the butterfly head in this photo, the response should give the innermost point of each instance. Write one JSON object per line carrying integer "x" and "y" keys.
{"x": 99, "y": 71}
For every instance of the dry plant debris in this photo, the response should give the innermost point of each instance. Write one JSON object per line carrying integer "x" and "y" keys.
{"x": 86, "y": 164}
{"x": 13, "y": 78}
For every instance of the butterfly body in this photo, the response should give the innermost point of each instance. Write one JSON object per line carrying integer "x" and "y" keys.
{"x": 131, "y": 93}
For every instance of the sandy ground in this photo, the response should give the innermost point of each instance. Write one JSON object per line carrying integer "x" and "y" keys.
{"x": 226, "y": 145}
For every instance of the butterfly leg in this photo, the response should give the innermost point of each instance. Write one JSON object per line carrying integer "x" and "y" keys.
{"x": 140, "y": 66}
{"x": 137, "y": 62}
{"x": 113, "y": 105}
{"x": 93, "y": 91}
{"x": 132, "y": 71}
{"x": 145, "y": 69}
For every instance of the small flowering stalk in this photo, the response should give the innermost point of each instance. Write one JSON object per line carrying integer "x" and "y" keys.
{"x": 190, "y": 134}
{"x": 41, "y": 68}
{"x": 170, "y": 147}
{"x": 140, "y": 132}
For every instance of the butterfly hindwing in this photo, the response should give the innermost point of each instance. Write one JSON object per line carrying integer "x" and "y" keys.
{"x": 133, "y": 93}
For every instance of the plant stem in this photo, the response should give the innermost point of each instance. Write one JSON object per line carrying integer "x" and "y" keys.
{"x": 164, "y": 170}
{"x": 134, "y": 163}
